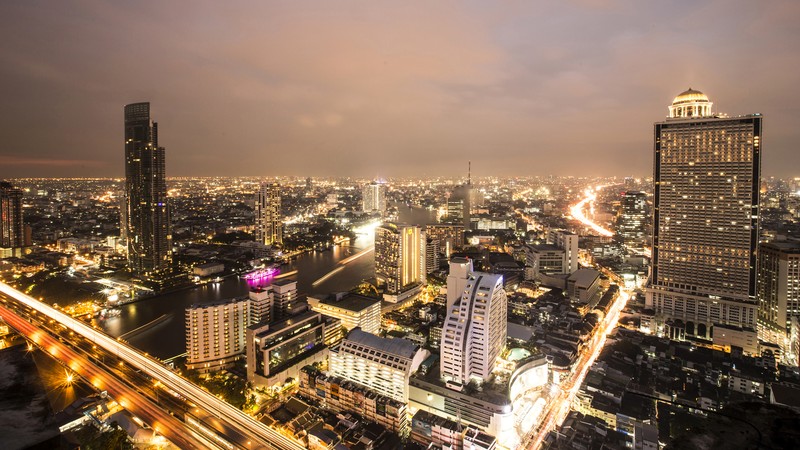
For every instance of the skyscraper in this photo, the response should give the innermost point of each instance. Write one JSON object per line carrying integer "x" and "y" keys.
{"x": 374, "y": 197}
{"x": 269, "y": 219}
{"x": 399, "y": 256}
{"x": 148, "y": 221}
{"x": 459, "y": 205}
{"x": 707, "y": 175}
{"x": 631, "y": 220}
{"x": 476, "y": 326}
{"x": 12, "y": 236}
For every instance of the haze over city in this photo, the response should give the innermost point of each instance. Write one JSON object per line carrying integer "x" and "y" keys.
{"x": 385, "y": 89}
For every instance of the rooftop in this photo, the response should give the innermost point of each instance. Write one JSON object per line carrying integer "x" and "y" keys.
{"x": 352, "y": 302}
{"x": 399, "y": 346}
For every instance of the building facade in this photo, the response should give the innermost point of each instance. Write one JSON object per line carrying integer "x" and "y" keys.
{"x": 12, "y": 231}
{"x": 475, "y": 329}
{"x": 568, "y": 241}
{"x": 381, "y": 364}
{"x": 147, "y": 227}
{"x": 216, "y": 332}
{"x": 707, "y": 176}
{"x": 778, "y": 293}
{"x": 269, "y": 219}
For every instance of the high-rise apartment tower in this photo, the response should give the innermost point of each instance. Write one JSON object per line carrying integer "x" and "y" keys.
{"x": 146, "y": 209}
{"x": 269, "y": 220}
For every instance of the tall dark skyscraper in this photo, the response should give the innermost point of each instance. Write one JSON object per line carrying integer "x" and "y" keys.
{"x": 632, "y": 216}
{"x": 148, "y": 222}
{"x": 12, "y": 237}
{"x": 707, "y": 176}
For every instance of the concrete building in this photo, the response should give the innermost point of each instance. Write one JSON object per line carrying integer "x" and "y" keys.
{"x": 355, "y": 311}
{"x": 545, "y": 259}
{"x": 268, "y": 214}
{"x": 280, "y": 349}
{"x": 216, "y": 332}
{"x": 284, "y": 300}
{"x": 567, "y": 241}
{"x": 340, "y": 395}
{"x": 707, "y": 178}
{"x": 475, "y": 328}
{"x": 583, "y": 285}
{"x": 381, "y": 364}
{"x": 459, "y": 205}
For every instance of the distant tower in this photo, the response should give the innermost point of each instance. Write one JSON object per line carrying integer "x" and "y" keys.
{"x": 148, "y": 221}
{"x": 374, "y": 197}
{"x": 475, "y": 329}
{"x": 707, "y": 177}
{"x": 12, "y": 236}
{"x": 269, "y": 220}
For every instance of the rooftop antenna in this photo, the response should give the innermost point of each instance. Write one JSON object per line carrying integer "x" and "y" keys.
{"x": 469, "y": 172}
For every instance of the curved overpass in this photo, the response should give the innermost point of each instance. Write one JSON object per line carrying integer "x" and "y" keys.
{"x": 259, "y": 435}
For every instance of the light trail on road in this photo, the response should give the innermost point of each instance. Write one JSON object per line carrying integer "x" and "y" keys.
{"x": 576, "y": 211}
{"x": 560, "y": 406}
{"x": 260, "y": 434}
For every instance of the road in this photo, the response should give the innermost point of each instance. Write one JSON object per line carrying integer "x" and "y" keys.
{"x": 127, "y": 396}
{"x": 246, "y": 431}
{"x": 559, "y": 407}
{"x": 577, "y": 213}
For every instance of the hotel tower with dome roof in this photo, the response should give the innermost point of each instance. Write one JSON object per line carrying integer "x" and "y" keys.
{"x": 707, "y": 174}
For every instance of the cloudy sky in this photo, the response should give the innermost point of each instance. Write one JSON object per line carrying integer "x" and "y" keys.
{"x": 386, "y": 88}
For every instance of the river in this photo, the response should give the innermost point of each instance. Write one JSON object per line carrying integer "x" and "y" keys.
{"x": 167, "y": 338}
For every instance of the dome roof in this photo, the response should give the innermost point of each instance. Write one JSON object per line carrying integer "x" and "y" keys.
{"x": 690, "y": 95}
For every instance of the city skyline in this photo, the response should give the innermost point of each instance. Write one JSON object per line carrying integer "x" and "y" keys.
{"x": 375, "y": 90}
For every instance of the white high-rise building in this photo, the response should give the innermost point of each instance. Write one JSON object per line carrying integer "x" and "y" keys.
{"x": 284, "y": 298}
{"x": 374, "y": 197}
{"x": 475, "y": 329}
{"x": 269, "y": 220}
{"x": 216, "y": 332}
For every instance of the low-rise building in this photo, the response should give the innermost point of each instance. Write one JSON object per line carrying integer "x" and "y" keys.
{"x": 355, "y": 311}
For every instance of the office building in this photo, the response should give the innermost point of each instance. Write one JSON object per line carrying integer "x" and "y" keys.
{"x": 374, "y": 198}
{"x": 216, "y": 332}
{"x": 148, "y": 228}
{"x": 12, "y": 231}
{"x": 778, "y": 292}
{"x": 381, "y": 364}
{"x": 707, "y": 177}
{"x": 568, "y": 241}
{"x": 399, "y": 259}
{"x": 355, "y": 311}
{"x": 269, "y": 219}
{"x": 632, "y": 218}
{"x": 476, "y": 326}
{"x": 545, "y": 259}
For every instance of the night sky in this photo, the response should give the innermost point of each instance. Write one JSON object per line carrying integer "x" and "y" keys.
{"x": 386, "y": 88}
